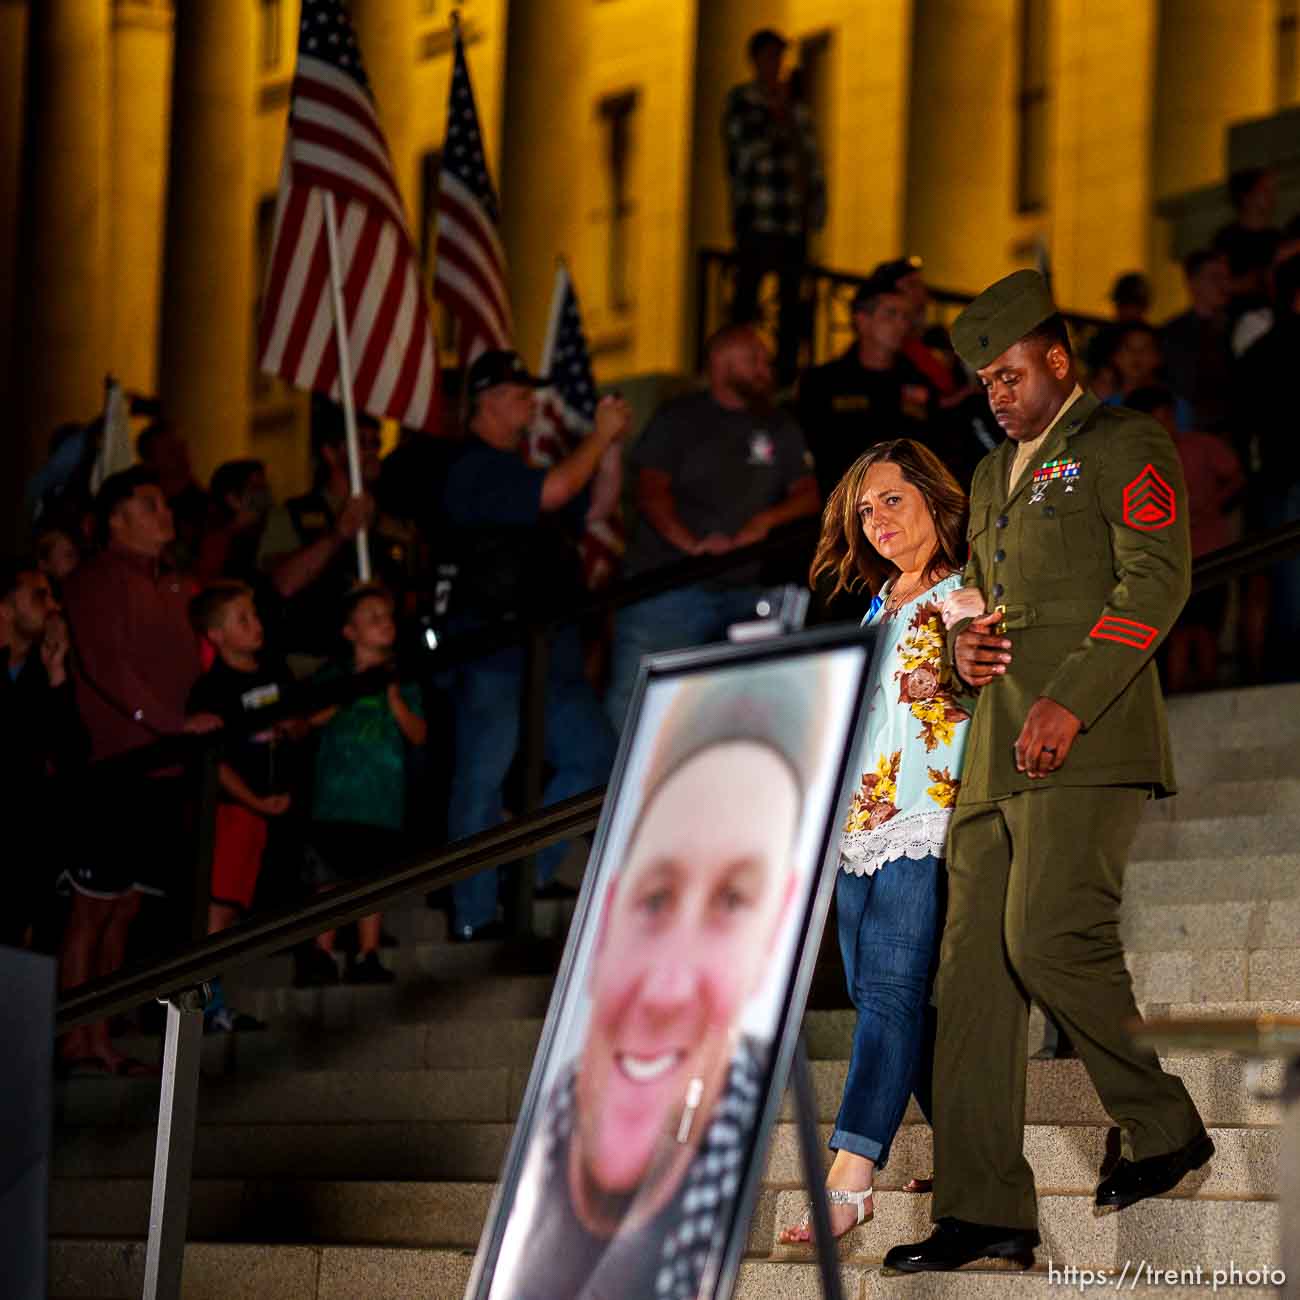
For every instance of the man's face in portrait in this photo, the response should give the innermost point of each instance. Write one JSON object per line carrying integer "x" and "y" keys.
{"x": 685, "y": 940}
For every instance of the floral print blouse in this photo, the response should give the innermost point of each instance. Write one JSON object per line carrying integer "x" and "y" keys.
{"x": 915, "y": 739}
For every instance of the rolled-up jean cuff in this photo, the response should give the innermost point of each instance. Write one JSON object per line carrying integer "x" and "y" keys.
{"x": 867, "y": 1148}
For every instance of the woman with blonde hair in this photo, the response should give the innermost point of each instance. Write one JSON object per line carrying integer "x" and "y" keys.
{"x": 896, "y": 526}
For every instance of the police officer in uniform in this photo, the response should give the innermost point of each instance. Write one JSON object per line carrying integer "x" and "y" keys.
{"x": 1079, "y": 552}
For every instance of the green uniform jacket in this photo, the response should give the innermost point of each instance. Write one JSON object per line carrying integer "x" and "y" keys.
{"x": 1091, "y": 557}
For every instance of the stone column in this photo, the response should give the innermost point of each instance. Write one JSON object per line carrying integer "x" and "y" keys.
{"x": 141, "y": 60}
{"x": 63, "y": 238}
{"x": 386, "y": 35}
{"x": 206, "y": 349}
{"x": 546, "y": 81}
{"x": 961, "y": 165}
{"x": 1214, "y": 66}
{"x": 1103, "y": 79}
{"x": 13, "y": 46}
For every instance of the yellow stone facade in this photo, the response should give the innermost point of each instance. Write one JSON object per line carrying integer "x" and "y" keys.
{"x": 140, "y": 145}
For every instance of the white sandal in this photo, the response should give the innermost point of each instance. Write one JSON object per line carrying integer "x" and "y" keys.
{"x": 856, "y": 1199}
{"x": 835, "y": 1196}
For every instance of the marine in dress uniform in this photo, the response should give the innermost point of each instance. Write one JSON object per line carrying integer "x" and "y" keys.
{"x": 1079, "y": 545}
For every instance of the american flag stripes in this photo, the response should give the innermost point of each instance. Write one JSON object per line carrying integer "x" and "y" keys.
{"x": 566, "y": 410}
{"x": 336, "y": 144}
{"x": 470, "y": 276}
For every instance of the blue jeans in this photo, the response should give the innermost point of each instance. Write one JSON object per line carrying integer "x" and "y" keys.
{"x": 579, "y": 750}
{"x": 889, "y": 925}
{"x": 688, "y": 616}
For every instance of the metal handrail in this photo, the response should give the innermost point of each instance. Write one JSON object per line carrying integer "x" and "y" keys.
{"x": 1246, "y": 556}
{"x": 267, "y": 935}
{"x": 839, "y": 282}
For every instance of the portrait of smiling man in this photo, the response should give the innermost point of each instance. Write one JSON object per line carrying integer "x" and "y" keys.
{"x": 1079, "y": 564}
{"x": 646, "y": 1127}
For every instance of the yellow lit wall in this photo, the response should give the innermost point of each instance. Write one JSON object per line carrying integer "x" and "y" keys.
{"x": 1214, "y": 64}
{"x": 866, "y": 161}
{"x": 1102, "y": 60}
{"x": 140, "y": 57}
{"x": 961, "y": 161}
{"x": 916, "y": 107}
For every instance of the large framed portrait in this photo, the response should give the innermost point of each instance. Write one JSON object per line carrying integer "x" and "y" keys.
{"x": 643, "y": 1131}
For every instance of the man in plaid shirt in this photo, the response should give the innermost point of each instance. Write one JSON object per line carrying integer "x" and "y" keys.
{"x": 778, "y": 192}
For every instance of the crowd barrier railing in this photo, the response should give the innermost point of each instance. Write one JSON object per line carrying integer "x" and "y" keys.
{"x": 826, "y": 318}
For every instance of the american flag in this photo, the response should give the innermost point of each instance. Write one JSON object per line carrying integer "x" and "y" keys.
{"x": 470, "y": 276}
{"x": 335, "y": 144}
{"x": 566, "y": 410}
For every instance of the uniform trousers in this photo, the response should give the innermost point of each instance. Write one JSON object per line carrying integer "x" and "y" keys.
{"x": 1034, "y": 887}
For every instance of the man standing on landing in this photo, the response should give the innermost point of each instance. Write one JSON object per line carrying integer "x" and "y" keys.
{"x": 1079, "y": 549}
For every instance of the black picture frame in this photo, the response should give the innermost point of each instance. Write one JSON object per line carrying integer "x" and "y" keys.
{"x": 807, "y": 915}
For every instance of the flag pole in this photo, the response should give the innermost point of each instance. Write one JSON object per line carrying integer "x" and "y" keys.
{"x": 345, "y": 375}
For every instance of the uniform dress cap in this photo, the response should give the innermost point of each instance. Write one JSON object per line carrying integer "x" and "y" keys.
{"x": 1002, "y": 315}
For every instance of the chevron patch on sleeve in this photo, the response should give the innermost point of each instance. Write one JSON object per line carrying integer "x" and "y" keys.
{"x": 1126, "y": 631}
{"x": 1149, "y": 502}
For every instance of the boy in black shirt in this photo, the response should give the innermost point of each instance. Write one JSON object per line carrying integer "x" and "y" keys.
{"x": 252, "y": 771}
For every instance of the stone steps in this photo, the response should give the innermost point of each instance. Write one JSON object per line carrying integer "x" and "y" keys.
{"x": 1177, "y": 956}
{"x": 369, "y": 1173}
{"x": 1252, "y": 836}
{"x": 1058, "y": 1093}
{"x": 1231, "y": 798}
{"x": 292, "y": 1045}
{"x": 1161, "y": 881}
{"x": 1066, "y": 1158}
{"x": 114, "y": 1270}
{"x": 450, "y": 1216}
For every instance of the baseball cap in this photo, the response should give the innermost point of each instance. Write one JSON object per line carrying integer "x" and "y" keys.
{"x": 500, "y": 367}
{"x": 877, "y": 283}
{"x": 899, "y": 267}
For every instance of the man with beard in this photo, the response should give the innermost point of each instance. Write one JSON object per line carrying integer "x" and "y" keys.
{"x": 714, "y": 471}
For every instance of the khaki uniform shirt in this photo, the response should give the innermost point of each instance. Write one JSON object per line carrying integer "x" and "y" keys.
{"x": 1090, "y": 558}
{"x": 1026, "y": 451}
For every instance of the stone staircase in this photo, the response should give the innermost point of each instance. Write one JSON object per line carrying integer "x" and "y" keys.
{"x": 349, "y": 1152}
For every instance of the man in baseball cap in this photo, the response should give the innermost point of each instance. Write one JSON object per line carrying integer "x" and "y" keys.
{"x": 871, "y": 391}
{"x": 512, "y": 533}
{"x": 492, "y": 369}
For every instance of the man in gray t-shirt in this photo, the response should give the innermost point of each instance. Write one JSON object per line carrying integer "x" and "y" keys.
{"x": 715, "y": 471}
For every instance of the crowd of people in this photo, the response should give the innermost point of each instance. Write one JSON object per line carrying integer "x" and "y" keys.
{"x": 153, "y": 605}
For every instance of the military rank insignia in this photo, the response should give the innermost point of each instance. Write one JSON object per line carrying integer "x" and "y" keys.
{"x": 1063, "y": 468}
{"x": 1149, "y": 502}
{"x": 1125, "y": 631}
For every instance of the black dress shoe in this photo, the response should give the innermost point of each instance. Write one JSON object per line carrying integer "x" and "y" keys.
{"x": 1134, "y": 1180}
{"x": 954, "y": 1243}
